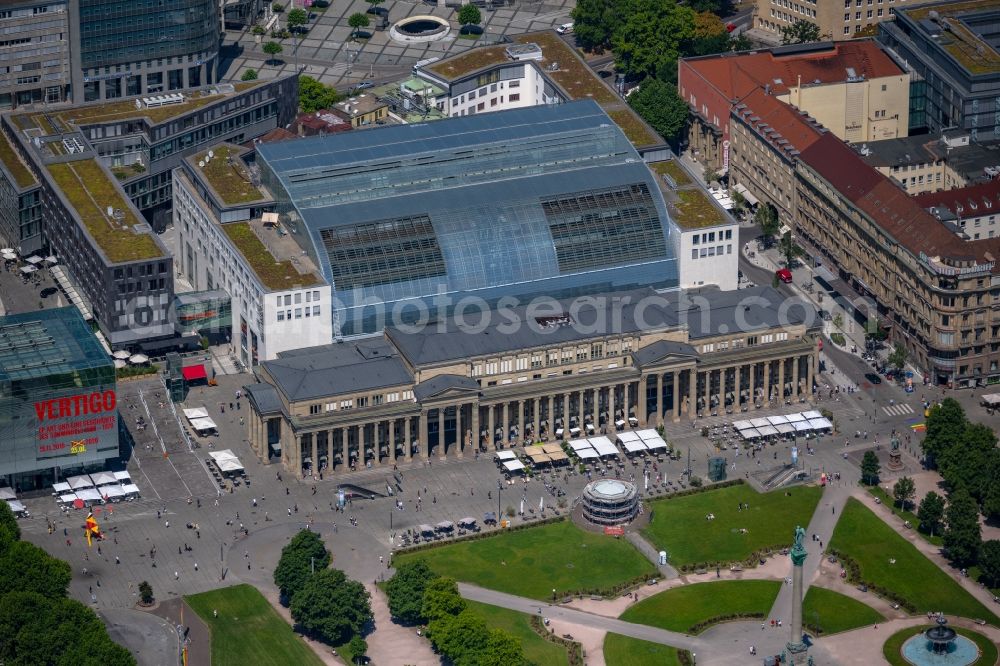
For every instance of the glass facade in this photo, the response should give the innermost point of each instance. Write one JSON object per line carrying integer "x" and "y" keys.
{"x": 58, "y": 403}
{"x": 547, "y": 200}
{"x": 116, "y": 32}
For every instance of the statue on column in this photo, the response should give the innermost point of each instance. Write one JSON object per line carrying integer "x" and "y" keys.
{"x": 895, "y": 456}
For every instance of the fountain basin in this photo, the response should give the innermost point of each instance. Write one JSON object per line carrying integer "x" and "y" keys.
{"x": 919, "y": 651}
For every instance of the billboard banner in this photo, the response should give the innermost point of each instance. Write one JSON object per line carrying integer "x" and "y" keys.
{"x": 75, "y": 425}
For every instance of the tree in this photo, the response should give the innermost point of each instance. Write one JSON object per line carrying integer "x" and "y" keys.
{"x": 249, "y": 75}
{"x": 800, "y": 32}
{"x": 767, "y": 218}
{"x": 272, "y": 49}
{"x": 357, "y": 21}
{"x": 991, "y": 502}
{"x": 648, "y": 41}
{"x": 838, "y": 321}
{"x": 943, "y": 423}
{"x": 740, "y": 43}
{"x": 441, "y": 598}
{"x": 315, "y": 96}
{"x": 897, "y": 358}
{"x": 331, "y": 607}
{"x": 989, "y": 563}
{"x": 659, "y": 105}
{"x": 302, "y": 555}
{"x": 145, "y": 593}
{"x": 710, "y": 36}
{"x": 405, "y": 590}
{"x": 28, "y": 568}
{"x": 460, "y": 637}
{"x": 903, "y": 491}
{"x": 469, "y": 15}
{"x": 502, "y": 649}
{"x": 297, "y": 17}
{"x": 962, "y": 537}
{"x": 930, "y": 513}
{"x": 710, "y": 176}
{"x": 277, "y": 7}
{"x": 594, "y": 23}
{"x": 789, "y": 249}
{"x": 357, "y": 645}
{"x": 10, "y": 531}
{"x": 969, "y": 459}
{"x": 870, "y": 468}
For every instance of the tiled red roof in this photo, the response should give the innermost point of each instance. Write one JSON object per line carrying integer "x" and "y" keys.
{"x": 784, "y": 126}
{"x": 737, "y": 74}
{"x": 976, "y": 200}
{"x": 897, "y": 213}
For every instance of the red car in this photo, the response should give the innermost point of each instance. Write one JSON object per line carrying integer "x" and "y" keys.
{"x": 784, "y": 275}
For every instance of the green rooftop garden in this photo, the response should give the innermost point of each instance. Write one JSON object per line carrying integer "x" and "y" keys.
{"x": 112, "y": 111}
{"x": 15, "y": 166}
{"x": 635, "y": 130}
{"x": 672, "y": 169}
{"x": 960, "y": 42}
{"x": 89, "y": 190}
{"x": 275, "y": 275}
{"x": 573, "y": 75}
{"x": 470, "y": 61}
{"x": 694, "y": 210}
{"x": 230, "y": 180}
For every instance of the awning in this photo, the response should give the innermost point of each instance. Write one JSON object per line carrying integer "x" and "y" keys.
{"x": 653, "y": 444}
{"x": 103, "y": 478}
{"x": 513, "y": 465}
{"x": 194, "y": 372}
{"x": 131, "y": 488}
{"x": 540, "y": 458}
{"x": 749, "y": 433}
{"x": 34, "y": 259}
{"x": 110, "y": 492}
{"x": 580, "y": 444}
{"x": 16, "y": 506}
{"x": 138, "y": 359}
{"x": 634, "y": 447}
{"x": 551, "y": 448}
{"x": 747, "y": 194}
{"x": 468, "y": 520}
{"x": 28, "y": 269}
{"x": 812, "y": 414}
{"x": 586, "y": 454}
{"x": 89, "y": 495}
{"x": 820, "y": 424}
{"x": 506, "y": 455}
{"x": 122, "y": 354}
{"x": 196, "y": 413}
{"x": 201, "y": 425}
{"x": 61, "y": 487}
{"x": 68, "y": 498}
{"x": 649, "y": 433}
{"x": 123, "y": 476}
{"x": 991, "y": 399}
{"x": 604, "y": 447}
{"x": 82, "y": 481}
{"x": 7, "y": 494}
{"x": 767, "y": 431}
{"x": 785, "y": 428}
{"x": 557, "y": 456}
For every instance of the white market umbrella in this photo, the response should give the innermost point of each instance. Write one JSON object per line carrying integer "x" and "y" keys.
{"x": 121, "y": 354}
{"x": 7, "y": 494}
{"x": 34, "y": 259}
{"x": 28, "y": 269}
{"x": 51, "y": 260}
{"x": 138, "y": 359}
{"x": 119, "y": 364}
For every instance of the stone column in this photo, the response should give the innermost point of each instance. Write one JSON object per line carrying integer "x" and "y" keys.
{"x": 345, "y": 448}
{"x": 595, "y": 408}
{"x": 459, "y": 431}
{"x": 693, "y": 392}
{"x": 625, "y": 404}
{"x": 580, "y": 410}
{"x": 795, "y": 374}
{"x": 315, "y": 454}
{"x": 753, "y": 380}
{"x": 676, "y": 415}
{"x": 659, "y": 398}
{"x": 810, "y": 369}
{"x": 611, "y": 408}
{"x": 377, "y": 436}
{"x": 551, "y": 418}
{"x": 392, "y": 440}
{"x": 797, "y": 651}
{"x": 360, "y": 430}
{"x": 442, "y": 447}
{"x": 767, "y": 380}
{"x": 708, "y": 392}
{"x": 781, "y": 381}
{"x": 425, "y": 415}
{"x": 477, "y": 433}
{"x": 408, "y": 439}
{"x": 722, "y": 389}
{"x": 643, "y": 406}
{"x": 520, "y": 419}
{"x": 491, "y": 436}
{"x": 565, "y": 415}
{"x": 536, "y": 417}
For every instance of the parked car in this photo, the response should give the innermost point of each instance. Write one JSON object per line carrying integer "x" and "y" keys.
{"x": 873, "y": 378}
{"x": 565, "y": 28}
{"x": 784, "y": 275}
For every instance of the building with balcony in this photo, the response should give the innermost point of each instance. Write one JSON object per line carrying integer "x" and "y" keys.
{"x": 405, "y": 220}
{"x": 601, "y": 362}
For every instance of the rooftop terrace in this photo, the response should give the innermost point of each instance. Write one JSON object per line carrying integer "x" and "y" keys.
{"x": 14, "y": 165}
{"x": 228, "y": 176}
{"x": 964, "y": 45}
{"x": 89, "y": 190}
{"x": 574, "y": 76}
{"x": 60, "y": 121}
{"x": 274, "y": 273}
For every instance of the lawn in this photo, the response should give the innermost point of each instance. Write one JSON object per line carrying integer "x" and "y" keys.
{"x": 536, "y": 649}
{"x": 834, "y": 612}
{"x": 625, "y": 651}
{"x": 248, "y": 630}
{"x": 681, "y": 608}
{"x": 891, "y": 648}
{"x": 862, "y": 536}
{"x": 888, "y": 501}
{"x": 530, "y": 562}
{"x": 770, "y": 523}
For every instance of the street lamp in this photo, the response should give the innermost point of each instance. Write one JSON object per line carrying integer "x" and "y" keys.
{"x": 499, "y": 490}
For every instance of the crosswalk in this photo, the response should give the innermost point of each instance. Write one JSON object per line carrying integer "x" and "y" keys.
{"x": 898, "y": 410}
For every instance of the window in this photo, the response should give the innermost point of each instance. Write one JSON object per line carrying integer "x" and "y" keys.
{"x": 363, "y": 402}
{"x": 316, "y": 295}
{"x": 315, "y": 311}
{"x": 694, "y": 253}
{"x": 516, "y": 97}
{"x": 288, "y": 299}
{"x": 315, "y": 409}
{"x": 506, "y": 365}
{"x": 298, "y": 313}
{"x": 281, "y": 315}
{"x": 491, "y": 367}
{"x": 298, "y": 298}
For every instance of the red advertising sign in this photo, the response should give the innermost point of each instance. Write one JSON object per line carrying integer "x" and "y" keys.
{"x": 67, "y": 426}
{"x": 614, "y": 530}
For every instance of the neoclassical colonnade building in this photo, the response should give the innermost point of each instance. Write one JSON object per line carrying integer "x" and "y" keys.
{"x": 532, "y": 372}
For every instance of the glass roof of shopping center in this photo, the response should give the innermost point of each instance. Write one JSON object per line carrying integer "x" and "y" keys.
{"x": 48, "y": 342}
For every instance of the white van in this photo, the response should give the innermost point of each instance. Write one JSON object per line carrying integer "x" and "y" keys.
{"x": 564, "y": 28}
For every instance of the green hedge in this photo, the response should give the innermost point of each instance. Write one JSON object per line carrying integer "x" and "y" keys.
{"x": 574, "y": 650}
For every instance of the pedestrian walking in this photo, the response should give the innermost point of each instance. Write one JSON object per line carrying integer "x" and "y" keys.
{"x": 117, "y": 561}
{"x": 195, "y": 566}
{"x": 176, "y": 576}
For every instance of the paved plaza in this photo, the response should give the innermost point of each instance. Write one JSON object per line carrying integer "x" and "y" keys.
{"x": 328, "y": 53}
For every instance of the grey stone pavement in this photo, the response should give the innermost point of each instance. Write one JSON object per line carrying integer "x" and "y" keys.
{"x": 327, "y": 52}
